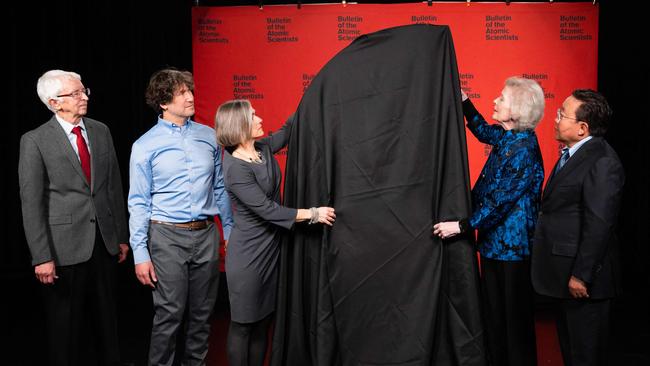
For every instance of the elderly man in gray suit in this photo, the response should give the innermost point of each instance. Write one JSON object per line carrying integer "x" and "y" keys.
{"x": 74, "y": 220}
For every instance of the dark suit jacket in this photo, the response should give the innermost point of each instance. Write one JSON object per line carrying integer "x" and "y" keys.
{"x": 575, "y": 231}
{"x": 60, "y": 208}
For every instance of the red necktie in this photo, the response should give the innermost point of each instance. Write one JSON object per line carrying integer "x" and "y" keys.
{"x": 84, "y": 155}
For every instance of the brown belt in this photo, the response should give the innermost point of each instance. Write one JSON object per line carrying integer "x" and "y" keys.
{"x": 192, "y": 225}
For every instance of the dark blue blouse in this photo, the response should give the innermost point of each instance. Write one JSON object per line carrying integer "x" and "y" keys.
{"x": 506, "y": 196}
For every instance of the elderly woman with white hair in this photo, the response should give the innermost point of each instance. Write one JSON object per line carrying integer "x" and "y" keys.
{"x": 252, "y": 177}
{"x": 505, "y": 203}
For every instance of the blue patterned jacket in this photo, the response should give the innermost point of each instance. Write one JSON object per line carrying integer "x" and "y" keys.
{"x": 507, "y": 194}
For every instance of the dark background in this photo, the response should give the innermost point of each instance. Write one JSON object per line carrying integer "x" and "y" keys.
{"x": 117, "y": 45}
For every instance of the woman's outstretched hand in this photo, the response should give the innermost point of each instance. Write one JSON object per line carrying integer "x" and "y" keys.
{"x": 326, "y": 215}
{"x": 446, "y": 229}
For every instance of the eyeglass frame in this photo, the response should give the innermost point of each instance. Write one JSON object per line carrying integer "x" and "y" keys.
{"x": 76, "y": 94}
{"x": 559, "y": 116}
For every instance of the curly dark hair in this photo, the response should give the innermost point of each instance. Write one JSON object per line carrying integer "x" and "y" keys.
{"x": 164, "y": 83}
{"x": 594, "y": 110}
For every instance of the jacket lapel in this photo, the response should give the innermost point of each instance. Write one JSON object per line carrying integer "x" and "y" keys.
{"x": 552, "y": 178}
{"x": 58, "y": 135}
{"x": 94, "y": 148}
{"x": 574, "y": 161}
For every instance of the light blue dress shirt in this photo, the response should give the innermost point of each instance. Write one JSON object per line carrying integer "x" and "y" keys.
{"x": 175, "y": 176}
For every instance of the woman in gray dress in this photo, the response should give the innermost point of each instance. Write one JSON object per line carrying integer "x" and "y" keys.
{"x": 252, "y": 177}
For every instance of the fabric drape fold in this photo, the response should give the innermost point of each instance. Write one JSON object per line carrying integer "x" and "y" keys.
{"x": 379, "y": 136}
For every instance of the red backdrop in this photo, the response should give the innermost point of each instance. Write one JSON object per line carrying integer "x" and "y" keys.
{"x": 270, "y": 55}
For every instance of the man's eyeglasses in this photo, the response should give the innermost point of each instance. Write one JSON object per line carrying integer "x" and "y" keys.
{"x": 560, "y": 116}
{"x": 76, "y": 94}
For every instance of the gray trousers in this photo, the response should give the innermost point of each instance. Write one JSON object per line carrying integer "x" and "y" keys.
{"x": 186, "y": 264}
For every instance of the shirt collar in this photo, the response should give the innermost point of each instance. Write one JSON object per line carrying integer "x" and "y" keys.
{"x": 577, "y": 145}
{"x": 171, "y": 127}
{"x": 67, "y": 126}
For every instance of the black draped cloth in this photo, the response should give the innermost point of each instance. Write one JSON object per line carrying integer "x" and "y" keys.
{"x": 380, "y": 137}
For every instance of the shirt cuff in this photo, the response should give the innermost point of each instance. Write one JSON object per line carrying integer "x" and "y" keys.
{"x": 464, "y": 226}
{"x": 226, "y": 232}
{"x": 141, "y": 255}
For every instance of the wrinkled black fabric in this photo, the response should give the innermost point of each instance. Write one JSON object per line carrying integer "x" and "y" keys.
{"x": 379, "y": 136}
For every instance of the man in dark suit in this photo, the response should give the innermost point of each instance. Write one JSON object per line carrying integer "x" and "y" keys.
{"x": 574, "y": 257}
{"x": 74, "y": 220}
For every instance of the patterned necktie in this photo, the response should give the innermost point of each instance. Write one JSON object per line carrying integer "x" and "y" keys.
{"x": 563, "y": 159}
{"x": 84, "y": 155}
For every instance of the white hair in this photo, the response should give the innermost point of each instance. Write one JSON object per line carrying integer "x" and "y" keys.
{"x": 527, "y": 107}
{"x": 50, "y": 84}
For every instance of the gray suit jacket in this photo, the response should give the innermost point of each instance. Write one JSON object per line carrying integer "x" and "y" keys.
{"x": 60, "y": 208}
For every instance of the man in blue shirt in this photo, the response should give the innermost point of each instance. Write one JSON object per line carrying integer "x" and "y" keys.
{"x": 176, "y": 188}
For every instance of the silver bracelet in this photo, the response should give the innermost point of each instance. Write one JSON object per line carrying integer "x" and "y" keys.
{"x": 314, "y": 215}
